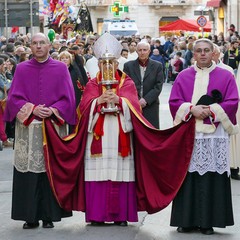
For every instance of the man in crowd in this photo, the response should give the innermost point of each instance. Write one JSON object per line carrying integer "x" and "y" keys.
{"x": 232, "y": 57}
{"x": 132, "y": 55}
{"x": 209, "y": 94}
{"x": 41, "y": 89}
{"x": 147, "y": 75}
{"x": 234, "y": 139}
{"x": 123, "y": 58}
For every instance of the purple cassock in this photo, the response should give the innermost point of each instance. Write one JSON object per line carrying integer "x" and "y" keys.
{"x": 207, "y": 183}
{"x": 46, "y": 83}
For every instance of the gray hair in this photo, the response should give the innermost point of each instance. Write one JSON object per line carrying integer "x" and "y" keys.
{"x": 143, "y": 43}
{"x": 205, "y": 40}
{"x": 216, "y": 48}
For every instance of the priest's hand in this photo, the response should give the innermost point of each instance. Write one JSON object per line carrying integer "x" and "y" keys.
{"x": 201, "y": 111}
{"x": 103, "y": 98}
{"x": 112, "y": 97}
{"x": 42, "y": 112}
{"x": 108, "y": 97}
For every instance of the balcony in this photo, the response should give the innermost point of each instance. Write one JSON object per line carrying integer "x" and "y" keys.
{"x": 98, "y": 3}
{"x": 169, "y": 2}
{"x": 104, "y": 3}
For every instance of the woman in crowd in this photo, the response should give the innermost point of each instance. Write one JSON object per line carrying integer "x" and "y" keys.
{"x": 4, "y": 87}
{"x": 76, "y": 76}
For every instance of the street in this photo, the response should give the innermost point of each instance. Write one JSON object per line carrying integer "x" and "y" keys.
{"x": 149, "y": 227}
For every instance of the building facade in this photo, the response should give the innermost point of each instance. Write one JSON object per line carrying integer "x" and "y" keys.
{"x": 151, "y": 14}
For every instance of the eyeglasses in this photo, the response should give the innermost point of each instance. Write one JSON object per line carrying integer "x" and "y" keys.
{"x": 40, "y": 43}
{"x": 204, "y": 50}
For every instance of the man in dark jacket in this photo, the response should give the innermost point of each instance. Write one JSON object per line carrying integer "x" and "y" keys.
{"x": 147, "y": 75}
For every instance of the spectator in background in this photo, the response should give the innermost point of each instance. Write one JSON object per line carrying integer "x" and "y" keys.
{"x": 182, "y": 47}
{"x": 160, "y": 48}
{"x": 124, "y": 53}
{"x": 54, "y": 55}
{"x": 90, "y": 40}
{"x": 148, "y": 78}
{"x": 76, "y": 76}
{"x": 3, "y": 41}
{"x": 231, "y": 31}
{"x": 18, "y": 44}
{"x": 132, "y": 54}
{"x": 188, "y": 55}
{"x": 5, "y": 82}
{"x": 234, "y": 139}
{"x": 77, "y": 54}
{"x": 124, "y": 44}
{"x": 159, "y": 58}
{"x": 24, "y": 57}
{"x": 4, "y": 88}
{"x": 177, "y": 65}
{"x": 171, "y": 46}
{"x": 55, "y": 46}
{"x": 123, "y": 59}
{"x": 88, "y": 53}
{"x": 79, "y": 60}
{"x": 232, "y": 57}
{"x": 10, "y": 65}
{"x": 18, "y": 51}
{"x": 166, "y": 44}
{"x": 10, "y": 50}
{"x": 4, "y": 142}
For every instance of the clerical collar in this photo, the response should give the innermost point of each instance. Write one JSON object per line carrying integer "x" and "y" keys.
{"x": 43, "y": 60}
{"x": 143, "y": 64}
{"x": 205, "y": 67}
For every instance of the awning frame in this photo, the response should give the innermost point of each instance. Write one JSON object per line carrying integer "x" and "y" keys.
{"x": 214, "y": 3}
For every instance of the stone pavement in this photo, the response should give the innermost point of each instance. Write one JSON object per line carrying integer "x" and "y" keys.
{"x": 149, "y": 227}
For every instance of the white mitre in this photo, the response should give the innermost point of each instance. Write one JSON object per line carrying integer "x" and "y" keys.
{"x": 107, "y": 43}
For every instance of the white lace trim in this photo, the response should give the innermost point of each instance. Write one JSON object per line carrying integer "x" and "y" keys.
{"x": 28, "y": 154}
{"x": 211, "y": 153}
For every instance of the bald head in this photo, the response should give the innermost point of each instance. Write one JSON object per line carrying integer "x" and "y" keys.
{"x": 40, "y": 46}
{"x": 42, "y": 36}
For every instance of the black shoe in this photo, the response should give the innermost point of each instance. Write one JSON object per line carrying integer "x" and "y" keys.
{"x": 207, "y": 231}
{"x": 122, "y": 224}
{"x": 47, "y": 224}
{"x": 235, "y": 177}
{"x": 27, "y": 225}
{"x": 95, "y": 223}
{"x": 186, "y": 229}
{"x": 234, "y": 173}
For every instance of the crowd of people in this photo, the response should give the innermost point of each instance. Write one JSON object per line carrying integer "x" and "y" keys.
{"x": 67, "y": 81}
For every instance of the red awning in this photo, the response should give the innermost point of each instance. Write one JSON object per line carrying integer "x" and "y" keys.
{"x": 213, "y": 3}
{"x": 185, "y": 25}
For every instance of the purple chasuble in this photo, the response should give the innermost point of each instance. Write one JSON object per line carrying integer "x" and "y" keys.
{"x": 46, "y": 83}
